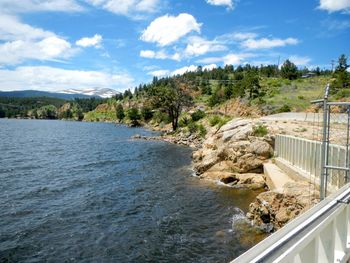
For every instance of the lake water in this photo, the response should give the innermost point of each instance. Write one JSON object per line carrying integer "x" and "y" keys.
{"x": 85, "y": 192}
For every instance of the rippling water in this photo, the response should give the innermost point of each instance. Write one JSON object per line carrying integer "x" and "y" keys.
{"x": 84, "y": 192}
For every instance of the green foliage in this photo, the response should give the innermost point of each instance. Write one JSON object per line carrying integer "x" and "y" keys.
{"x": 289, "y": 70}
{"x": 197, "y": 115}
{"x": 202, "y": 130}
{"x": 252, "y": 86}
{"x": 12, "y": 107}
{"x": 343, "y": 93}
{"x": 205, "y": 87}
{"x": 161, "y": 117}
{"x": 89, "y": 104}
{"x": 284, "y": 108}
{"x": 146, "y": 113}
{"x": 260, "y": 130}
{"x": 47, "y": 112}
{"x": 134, "y": 115}
{"x": 66, "y": 114}
{"x": 120, "y": 112}
{"x": 217, "y": 97}
{"x": 341, "y": 75}
{"x": 170, "y": 98}
{"x": 192, "y": 127}
{"x": 184, "y": 122}
{"x": 195, "y": 128}
{"x": 217, "y": 120}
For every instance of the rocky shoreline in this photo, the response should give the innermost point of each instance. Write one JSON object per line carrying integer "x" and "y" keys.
{"x": 234, "y": 155}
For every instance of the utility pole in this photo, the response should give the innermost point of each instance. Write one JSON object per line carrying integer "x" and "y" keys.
{"x": 332, "y": 63}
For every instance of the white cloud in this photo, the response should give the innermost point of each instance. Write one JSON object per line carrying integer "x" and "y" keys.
{"x": 229, "y": 59}
{"x": 228, "y": 3}
{"x": 210, "y": 60}
{"x": 94, "y": 41}
{"x": 243, "y": 35}
{"x": 159, "y": 55}
{"x": 12, "y": 29}
{"x": 299, "y": 60}
{"x": 51, "y": 48}
{"x": 210, "y": 67}
{"x": 132, "y": 8}
{"x": 265, "y": 43}
{"x": 56, "y": 79}
{"x": 23, "y": 42}
{"x": 335, "y": 5}
{"x": 236, "y": 59}
{"x": 10, "y": 6}
{"x": 168, "y": 29}
{"x": 183, "y": 70}
{"x": 180, "y": 71}
{"x": 199, "y": 46}
{"x": 159, "y": 73}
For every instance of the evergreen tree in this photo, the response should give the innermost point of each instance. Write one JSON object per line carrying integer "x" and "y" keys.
{"x": 341, "y": 75}
{"x": 120, "y": 112}
{"x": 170, "y": 98}
{"x": 289, "y": 70}
{"x": 134, "y": 116}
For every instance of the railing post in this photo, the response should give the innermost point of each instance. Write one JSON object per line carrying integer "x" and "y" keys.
{"x": 324, "y": 146}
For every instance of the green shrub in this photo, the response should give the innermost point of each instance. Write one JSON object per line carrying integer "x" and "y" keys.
{"x": 161, "y": 117}
{"x": 343, "y": 93}
{"x": 217, "y": 120}
{"x": 146, "y": 113}
{"x": 284, "y": 108}
{"x": 192, "y": 127}
{"x": 202, "y": 130}
{"x": 197, "y": 115}
{"x": 301, "y": 97}
{"x": 260, "y": 130}
{"x": 184, "y": 122}
{"x": 214, "y": 120}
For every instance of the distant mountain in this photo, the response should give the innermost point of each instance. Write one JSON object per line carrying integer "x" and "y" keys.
{"x": 95, "y": 92}
{"x": 69, "y": 94}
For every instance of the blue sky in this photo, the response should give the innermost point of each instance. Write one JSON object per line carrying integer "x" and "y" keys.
{"x": 59, "y": 44}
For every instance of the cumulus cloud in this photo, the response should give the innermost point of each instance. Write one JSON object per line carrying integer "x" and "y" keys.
{"x": 210, "y": 67}
{"x": 11, "y": 28}
{"x": 168, "y": 29}
{"x": 159, "y": 55}
{"x": 185, "y": 69}
{"x": 300, "y": 60}
{"x": 198, "y": 46}
{"x": 94, "y": 41}
{"x": 335, "y": 5}
{"x": 236, "y": 59}
{"x": 56, "y": 79}
{"x": 228, "y": 3}
{"x": 23, "y": 42}
{"x": 265, "y": 43}
{"x": 51, "y": 48}
{"x": 132, "y": 8}
{"x": 159, "y": 73}
{"x": 10, "y": 6}
{"x": 179, "y": 71}
{"x": 229, "y": 59}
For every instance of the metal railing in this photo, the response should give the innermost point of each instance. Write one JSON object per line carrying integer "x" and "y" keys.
{"x": 322, "y": 234}
{"x": 307, "y": 155}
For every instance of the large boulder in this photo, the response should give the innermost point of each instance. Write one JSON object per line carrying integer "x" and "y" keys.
{"x": 249, "y": 180}
{"x": 273, "y": 209}
{"x": 236, "y": 130}
{"x": 261, "y": 149}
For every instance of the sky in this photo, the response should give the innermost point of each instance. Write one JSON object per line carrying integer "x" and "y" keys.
{"x": 54, "y": 45}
